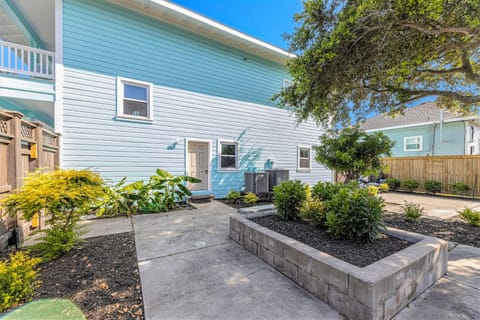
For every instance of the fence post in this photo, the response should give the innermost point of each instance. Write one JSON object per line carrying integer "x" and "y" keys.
{"x": 15, "y": 158}
{"x": 40, "y": 161}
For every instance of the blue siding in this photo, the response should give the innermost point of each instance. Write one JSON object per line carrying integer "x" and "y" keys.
{"x": 202, "y": 90}
{"x": 452, "y": 142}
{"x": 111, "y": 40}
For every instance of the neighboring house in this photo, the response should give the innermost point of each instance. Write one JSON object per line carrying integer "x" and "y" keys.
{"x": 132, "y": 86}
{"x": 426, "y": 130}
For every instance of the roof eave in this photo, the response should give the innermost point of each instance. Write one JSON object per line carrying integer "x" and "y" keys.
{"x": 194, "y": 22}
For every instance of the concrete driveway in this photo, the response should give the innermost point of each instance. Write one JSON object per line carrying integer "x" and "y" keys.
{"x": 435, "y": 206}
{"x": 190, "y": 269}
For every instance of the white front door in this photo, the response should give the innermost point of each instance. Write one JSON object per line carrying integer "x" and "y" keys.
{"x": 198, "y": 164}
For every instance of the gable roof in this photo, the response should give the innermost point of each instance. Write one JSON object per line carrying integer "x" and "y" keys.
{"x": 427, "y": 112}
{"x": 186, "y": 19}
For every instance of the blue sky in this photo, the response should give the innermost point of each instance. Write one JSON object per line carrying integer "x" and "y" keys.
{"x": 266, "y": 20}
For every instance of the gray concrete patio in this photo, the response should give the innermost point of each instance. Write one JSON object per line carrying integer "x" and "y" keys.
{"x": 190, "y": 269}
{"x": 435, "y": 206}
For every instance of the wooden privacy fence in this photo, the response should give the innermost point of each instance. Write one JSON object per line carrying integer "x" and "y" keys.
{"x": 24, "y": 147}
{"x": 446, "y": 169}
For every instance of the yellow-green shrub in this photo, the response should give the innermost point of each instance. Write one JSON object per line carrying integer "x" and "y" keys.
{"x": 313, "y": 211}
{"x": 64, "y": 194}
{"x": 17, "y": 279}
{"x": 384, "y": 187}
{"x": 250, "y": 198}
{"x": 372, "y": 190}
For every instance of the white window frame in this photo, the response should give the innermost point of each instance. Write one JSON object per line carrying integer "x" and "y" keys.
{"x": 120, "y": 99}
{"x": 287, "y": 83}
{"x": 420, "y": 142}
{"x": 310, "y": 158}
{"x": 219, "y": 152}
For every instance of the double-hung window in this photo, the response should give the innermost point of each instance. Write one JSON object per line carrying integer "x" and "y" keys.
{"x": 228, "y": 155}
{"x": 134, "y": 99}
{"x": 304, "y": 162}
{"x": 413, "y": 143}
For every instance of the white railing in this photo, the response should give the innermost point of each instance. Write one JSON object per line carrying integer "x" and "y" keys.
{"x": 23, "y": 60}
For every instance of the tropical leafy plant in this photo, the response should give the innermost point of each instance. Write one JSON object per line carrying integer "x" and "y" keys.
{"x": 470, "y": 216}
{"x": 412, "y": 211}
{"x": 18, "y": 279}
{"x": 288, "y": 197}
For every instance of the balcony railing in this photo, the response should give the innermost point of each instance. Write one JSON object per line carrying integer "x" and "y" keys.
{"x": 23, "y": 60}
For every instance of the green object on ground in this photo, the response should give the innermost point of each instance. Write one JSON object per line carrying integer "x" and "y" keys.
{"x": 47, "y": 309}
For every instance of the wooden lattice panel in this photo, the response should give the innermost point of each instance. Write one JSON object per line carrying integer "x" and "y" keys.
{"x": 27, "y": 131}
{"x": 3, "y": 125}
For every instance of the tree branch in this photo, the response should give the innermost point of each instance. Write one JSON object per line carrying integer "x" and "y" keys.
{"x": 438, "y": 30}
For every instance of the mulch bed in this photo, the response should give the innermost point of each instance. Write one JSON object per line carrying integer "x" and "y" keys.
{"x": 452, "y": 229}
{"x": 240, "y": 204}
{"x": 100, "y": 275}
{"x": 356, "y": 253}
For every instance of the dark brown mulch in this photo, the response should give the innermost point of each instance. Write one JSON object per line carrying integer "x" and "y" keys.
{"x": 240, "y": 204}
{"x": 452, "y": 229}
{"x": 100, "y": 275}
{"x": 356, "y": 253}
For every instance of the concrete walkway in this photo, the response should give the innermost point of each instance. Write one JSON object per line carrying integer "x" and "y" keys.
{"x": 435, "y": 206}
{"x": 190, "y": 269}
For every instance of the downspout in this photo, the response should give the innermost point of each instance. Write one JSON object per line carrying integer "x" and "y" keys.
{"x": 433, "y": 139}
{"x": 441, "y": 126}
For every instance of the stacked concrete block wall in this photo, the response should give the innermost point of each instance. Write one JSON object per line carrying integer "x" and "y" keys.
{"x": 378, "y": 291}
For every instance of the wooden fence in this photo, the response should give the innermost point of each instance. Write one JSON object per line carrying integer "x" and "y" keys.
{"x": 24, "y": 147}
{"x": 446, "y": 169}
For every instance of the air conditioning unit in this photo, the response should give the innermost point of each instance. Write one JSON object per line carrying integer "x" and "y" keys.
{"x": 256, "y": 182}
{"x": 277, "y": 176}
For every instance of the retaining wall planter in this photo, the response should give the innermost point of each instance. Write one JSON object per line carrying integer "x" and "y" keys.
{"x": 377, "y": 291}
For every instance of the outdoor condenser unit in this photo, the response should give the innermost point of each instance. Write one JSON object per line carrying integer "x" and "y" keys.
{"x": 276, "y": 176}
{"x": 256, "y": 182}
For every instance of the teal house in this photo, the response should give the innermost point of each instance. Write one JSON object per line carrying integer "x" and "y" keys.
{"x": 427, "y": 130}
{"x": 131, "y": 86}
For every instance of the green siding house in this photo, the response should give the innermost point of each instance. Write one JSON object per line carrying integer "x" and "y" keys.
{"x": 427, "y": 130}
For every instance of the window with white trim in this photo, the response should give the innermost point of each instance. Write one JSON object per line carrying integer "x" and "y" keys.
{"x": 134, "y": 99}
{"x": 413, "y": 143}
{"x": 304, "y": 158}
{"x": 228, "y": 155}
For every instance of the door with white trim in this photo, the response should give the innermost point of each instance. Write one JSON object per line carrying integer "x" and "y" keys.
{"x": 198, "y": 164}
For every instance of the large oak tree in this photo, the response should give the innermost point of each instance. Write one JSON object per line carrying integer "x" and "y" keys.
{"x": 356, "y": 57}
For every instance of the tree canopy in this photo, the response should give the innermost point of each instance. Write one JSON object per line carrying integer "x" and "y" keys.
{"x": 356, "y": 57}
{"x": 352, "y": 151}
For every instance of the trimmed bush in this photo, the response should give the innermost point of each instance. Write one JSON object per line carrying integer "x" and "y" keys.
{"x": 433, "y": 186}
{"x": 410, "y": 184}
{"x": 288, "y": 197}
{"x": 393, "y": 183}
{"x": 460, "y": 188}
{"x": 250, "y": 199}
{"x": 412, "y": 211}
{"x": 233, "y": 196}
{"x": 313, "y": 212}
{"x": 354, "y": 214}
{"x": 470, "y": 216}
{"x": 18, "y": 282}
{"x": 324, "y": 191}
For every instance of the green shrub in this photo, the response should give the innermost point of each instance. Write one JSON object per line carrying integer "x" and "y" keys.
{"x": 460, "y": 188}
{"x": 324, "y": 191}
{"x": 17, "y": 279}
{"x": 288, "y": 197}
{"x": 65, "y": 195}
{"x": 470, "y": 216}
{"x": 412, "y": 211}
{"x": 233, "y": 196}
{"x": 250, "y": 199}
{"x": 393, "y": 183}
{"x": 313, "y": 212}
{"x": 410, "y": 184}
{"x": 433, "y": 186}
{"x": 354, "y": 214}
{"x": 383, "y": 187}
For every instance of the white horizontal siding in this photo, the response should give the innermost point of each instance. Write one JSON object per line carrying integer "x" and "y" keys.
{"x": 93, "y": 138}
